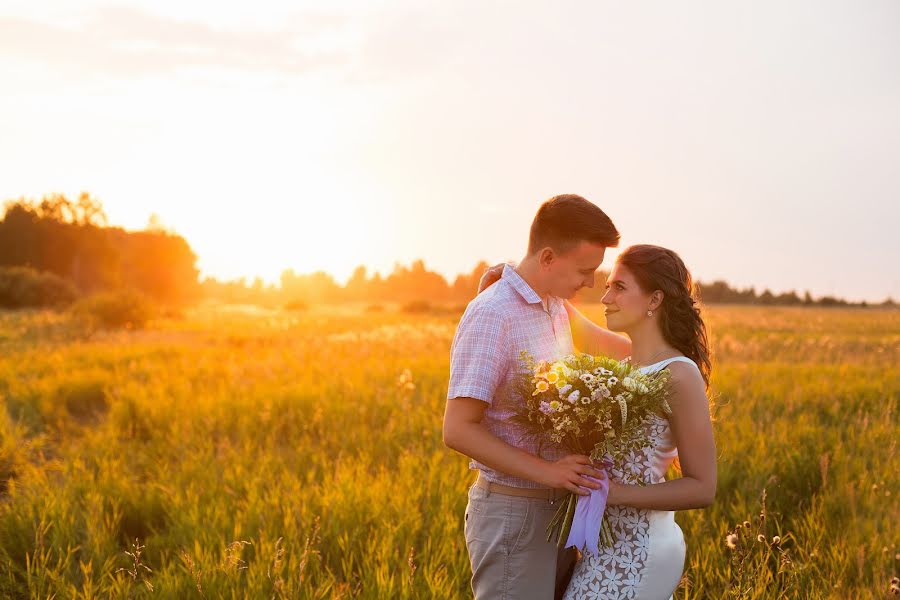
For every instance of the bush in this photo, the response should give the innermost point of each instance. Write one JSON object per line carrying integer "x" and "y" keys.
{"x": 23, "y": 287}
{"x": 296, "y": 305}
{"x": 417, "y": 307}
{"x": 126, "y": 309}
{"x": 84, "y": 400}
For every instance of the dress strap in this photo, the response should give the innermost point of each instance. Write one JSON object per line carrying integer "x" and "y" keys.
{"x": 665, "y": 363}
{"x": 659, "y": 366}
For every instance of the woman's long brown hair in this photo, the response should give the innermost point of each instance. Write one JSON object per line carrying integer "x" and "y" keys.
{"x": 657, "y": 268}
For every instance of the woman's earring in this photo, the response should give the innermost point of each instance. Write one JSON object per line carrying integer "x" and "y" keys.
{"x": 649, "y": 313}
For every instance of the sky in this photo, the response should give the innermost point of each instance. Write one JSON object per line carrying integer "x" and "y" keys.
{"x": 761, "y": 141}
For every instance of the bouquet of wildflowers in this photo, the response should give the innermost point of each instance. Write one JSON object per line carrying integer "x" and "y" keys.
{"x": 595, "y": 406}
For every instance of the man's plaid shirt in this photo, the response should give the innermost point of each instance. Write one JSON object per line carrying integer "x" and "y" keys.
{"x": 498, "y": 324}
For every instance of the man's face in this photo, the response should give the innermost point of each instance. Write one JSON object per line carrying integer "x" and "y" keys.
{"x": 570, "y": 271}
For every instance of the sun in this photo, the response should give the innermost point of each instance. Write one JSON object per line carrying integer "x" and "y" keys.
{"x": 324, "y": 228}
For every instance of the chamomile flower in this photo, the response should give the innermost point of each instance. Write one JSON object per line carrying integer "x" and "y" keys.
{"x": 541, "y": 387}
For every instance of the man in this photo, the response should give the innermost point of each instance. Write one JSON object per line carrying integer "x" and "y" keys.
{"x": 515, "y": 494}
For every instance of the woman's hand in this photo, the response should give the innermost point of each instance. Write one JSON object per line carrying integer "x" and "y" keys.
{"x": 490, "y": 277}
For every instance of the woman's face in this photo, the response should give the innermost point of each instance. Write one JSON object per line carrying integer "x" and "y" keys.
{"x": 626, "y": 303}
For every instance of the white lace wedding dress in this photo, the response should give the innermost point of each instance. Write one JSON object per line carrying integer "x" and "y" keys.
{"x": 647, "y": 558}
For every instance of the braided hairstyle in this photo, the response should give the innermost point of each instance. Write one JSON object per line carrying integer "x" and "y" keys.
{"x": 657, "y": 268}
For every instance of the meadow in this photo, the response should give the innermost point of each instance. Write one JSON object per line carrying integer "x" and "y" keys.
{"x": 234, "y": 452}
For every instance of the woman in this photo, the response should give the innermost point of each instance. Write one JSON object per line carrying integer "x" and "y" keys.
{"x": 649, "y": 298}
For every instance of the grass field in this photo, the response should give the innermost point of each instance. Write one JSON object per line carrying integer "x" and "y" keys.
{"x": 281, "y": 455}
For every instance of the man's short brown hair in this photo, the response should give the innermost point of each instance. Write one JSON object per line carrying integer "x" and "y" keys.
{"x": 563, "y": 221}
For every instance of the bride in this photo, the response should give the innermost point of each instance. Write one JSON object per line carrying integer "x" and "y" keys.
{"x": 649, "y": 298}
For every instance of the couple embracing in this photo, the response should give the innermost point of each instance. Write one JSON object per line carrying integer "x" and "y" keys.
{"x": 654, "y": 322}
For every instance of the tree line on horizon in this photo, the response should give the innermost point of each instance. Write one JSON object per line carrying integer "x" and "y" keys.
{"x": 416, "y": 284}
{"x": 56, "y": 250}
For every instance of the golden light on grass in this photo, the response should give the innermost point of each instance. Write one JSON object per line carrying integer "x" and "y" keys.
{"x": 256, "y": 453}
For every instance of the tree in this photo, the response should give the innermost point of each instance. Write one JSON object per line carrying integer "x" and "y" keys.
{"x": 72, "y": 241}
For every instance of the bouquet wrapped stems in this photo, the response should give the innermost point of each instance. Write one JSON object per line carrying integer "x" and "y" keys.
{"x": 561, "y": 525}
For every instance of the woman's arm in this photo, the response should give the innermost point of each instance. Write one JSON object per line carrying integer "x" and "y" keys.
{"x": 587, "y": 335}
{"x": 593, "y": 339}
{"x": 692, "y": 427}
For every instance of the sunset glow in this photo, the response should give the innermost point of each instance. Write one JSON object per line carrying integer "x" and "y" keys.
{"x": 322, "y": 137}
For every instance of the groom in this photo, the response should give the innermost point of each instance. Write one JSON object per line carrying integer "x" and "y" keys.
{"x": 518, "y": 484}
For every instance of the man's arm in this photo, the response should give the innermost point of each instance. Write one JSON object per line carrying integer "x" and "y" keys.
{"x": 464, "y": 432}
{"x": 593, "y": 339}
{"x": 477, "y": 370}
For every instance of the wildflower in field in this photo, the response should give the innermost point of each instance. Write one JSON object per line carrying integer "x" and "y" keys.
{"x": 747, "y": 524}
{"x": 405, "y": 381}
{"x": 761, "y": 538}
{"x": 731, "y": 540}
{"x": 541, "y": 387}
{"x": 776, "y": 540}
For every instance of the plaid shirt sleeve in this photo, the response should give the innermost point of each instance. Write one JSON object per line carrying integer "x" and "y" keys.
{"x": 478, "y": 355}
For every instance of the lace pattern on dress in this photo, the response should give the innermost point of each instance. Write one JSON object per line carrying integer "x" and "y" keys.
{"x": 617, "y": 571}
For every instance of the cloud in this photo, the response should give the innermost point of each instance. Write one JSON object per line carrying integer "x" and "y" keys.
{"x": 125, "y": 42}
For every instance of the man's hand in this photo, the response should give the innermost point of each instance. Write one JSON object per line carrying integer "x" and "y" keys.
{"x": 490, "y": 277}
{"x": 464, "y": 432}
{"x": 569, "y": 473}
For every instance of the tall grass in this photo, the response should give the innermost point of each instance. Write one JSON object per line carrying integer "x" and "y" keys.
{"x": 269, "y": 454}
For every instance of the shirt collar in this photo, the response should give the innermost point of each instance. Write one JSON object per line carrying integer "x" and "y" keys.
{"x": 515, "y": 280}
